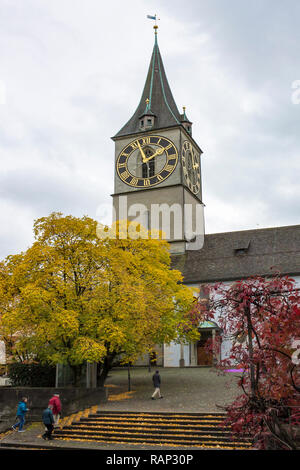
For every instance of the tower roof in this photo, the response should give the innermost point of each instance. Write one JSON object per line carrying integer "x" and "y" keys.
{"x": 161, "y": 102}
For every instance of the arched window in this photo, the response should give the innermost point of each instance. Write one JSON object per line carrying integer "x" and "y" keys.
{"x": 148, "y": 169}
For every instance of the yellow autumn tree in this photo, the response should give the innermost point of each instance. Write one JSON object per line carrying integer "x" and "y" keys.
{"x": 74, "y": 297}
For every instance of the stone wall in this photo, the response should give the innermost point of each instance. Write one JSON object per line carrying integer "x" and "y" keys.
{"x": 72, "y": 399}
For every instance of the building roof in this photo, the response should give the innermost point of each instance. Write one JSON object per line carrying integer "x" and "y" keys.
{"x": 237, "y": 255}
{"x": 161, "y": 101}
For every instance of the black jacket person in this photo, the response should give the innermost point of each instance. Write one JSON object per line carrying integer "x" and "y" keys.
{"x": 156, "y": 382}
{"x": 48, "y": 421}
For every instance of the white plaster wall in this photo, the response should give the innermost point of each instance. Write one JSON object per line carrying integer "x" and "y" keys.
{"x": 297, "y": 279}
{"x": 186, "y": 354}
{"x": 2, "y": 352}
{"x": 225, "y": 348}
{"x": 172, "y": 355}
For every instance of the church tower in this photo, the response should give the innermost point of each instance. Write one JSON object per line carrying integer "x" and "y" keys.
{"x": 158, "y": 164}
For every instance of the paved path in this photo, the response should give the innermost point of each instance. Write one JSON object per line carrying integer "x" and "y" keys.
{"x": 192, "y": 390}
{"x": 184, "y": 390}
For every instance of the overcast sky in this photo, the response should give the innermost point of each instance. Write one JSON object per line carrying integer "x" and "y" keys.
{"x": 72, "y": 73}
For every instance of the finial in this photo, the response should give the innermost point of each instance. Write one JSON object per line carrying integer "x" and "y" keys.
{"x": 184, "y": 108}
{"x": 147, "y": 101}
{"x": 155, "y": 27}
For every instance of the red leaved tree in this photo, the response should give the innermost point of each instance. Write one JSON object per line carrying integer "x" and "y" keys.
{"x": 262, "y": 318}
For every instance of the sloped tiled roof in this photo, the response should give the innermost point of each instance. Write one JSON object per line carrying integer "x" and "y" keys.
{"x": 238, "y": 255}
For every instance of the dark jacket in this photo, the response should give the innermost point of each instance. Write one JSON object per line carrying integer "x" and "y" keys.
{"x": 156, "y": 380}
{"x": 48, "y": 416}
{"x": 22, "y": 408}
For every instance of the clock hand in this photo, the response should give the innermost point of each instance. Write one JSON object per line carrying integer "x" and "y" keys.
{"x": 193, "y": 161}
{"x": 143, "y": 163}
{"x": 142, "y": 153}
{"x": 160, "y": 151}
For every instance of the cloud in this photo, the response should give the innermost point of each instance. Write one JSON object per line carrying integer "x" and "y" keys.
{"x": 72, "y": 74}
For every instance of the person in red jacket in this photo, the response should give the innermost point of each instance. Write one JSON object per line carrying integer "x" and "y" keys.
{"x": 55, "y": 405}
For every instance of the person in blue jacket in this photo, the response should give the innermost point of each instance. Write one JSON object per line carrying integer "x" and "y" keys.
{"x": 21, "y": 412}
{"x": 48, "y": 420}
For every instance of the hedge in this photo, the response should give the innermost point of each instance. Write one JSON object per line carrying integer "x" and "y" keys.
{"x": 31, "y": 375}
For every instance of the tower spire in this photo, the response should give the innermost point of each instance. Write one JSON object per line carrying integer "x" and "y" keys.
{"x": 157, "y": 90}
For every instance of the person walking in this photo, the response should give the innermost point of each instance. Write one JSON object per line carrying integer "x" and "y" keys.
{"x": 21, "y": 412}
{"x": 156, "y": 382}
{"x": 48, "y": 421}
{"x": 55, "y": 403}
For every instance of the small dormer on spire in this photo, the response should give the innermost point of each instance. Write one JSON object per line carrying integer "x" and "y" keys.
{"x": 187, "y": 124}
{"x": 146, "y": 119}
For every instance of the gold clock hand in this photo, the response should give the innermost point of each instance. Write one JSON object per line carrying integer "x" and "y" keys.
{"x": 160, "y": 151}
{"x": 193, "y": 161}
{"x": 142, "y": 153}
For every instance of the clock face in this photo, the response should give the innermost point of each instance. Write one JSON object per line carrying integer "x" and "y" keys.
{"x": 147, "y": 161}
{"x": 191, "y": 166}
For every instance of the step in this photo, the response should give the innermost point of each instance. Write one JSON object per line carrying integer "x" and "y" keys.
{"x": 155, "y": 413}
{"x": 209, "y": 443}
{"x": 144, "y": 419}
{"x": 144, "y": 435}
{"x": 143, "y": 430}
{"x": 150, "y": 426}
{"x": 205, "y": 430}
{"x": 25, "y": 446}
{"x": 190, "y": 416}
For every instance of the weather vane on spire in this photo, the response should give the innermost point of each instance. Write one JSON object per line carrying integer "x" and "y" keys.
{"x": 155, "y": 19}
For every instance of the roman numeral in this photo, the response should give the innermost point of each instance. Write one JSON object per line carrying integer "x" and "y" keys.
{"x": 134, "y": 181}
{"x": 146, "y": 141}
{"x": 134, "y": 145}
{"x": 169, "y": 168}
{"x": 125, "y": 175}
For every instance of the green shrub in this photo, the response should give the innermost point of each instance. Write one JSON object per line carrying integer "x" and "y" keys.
{"x": 31, "y": 375}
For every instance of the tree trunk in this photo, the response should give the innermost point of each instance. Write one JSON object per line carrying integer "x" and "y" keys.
{"x": 105, "y": 368}
{"x": 281, "y": 432}
{"x": 250, "y": 349}
{"x": 129, "y": 380}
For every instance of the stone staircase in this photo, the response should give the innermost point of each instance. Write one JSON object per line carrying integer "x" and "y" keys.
{"x": 197, "y": 430}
